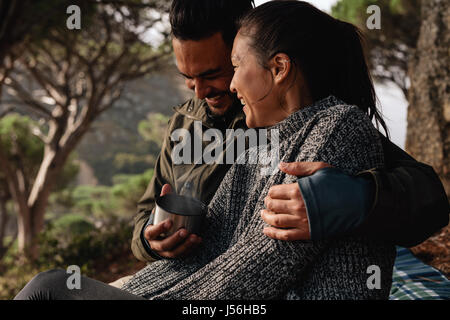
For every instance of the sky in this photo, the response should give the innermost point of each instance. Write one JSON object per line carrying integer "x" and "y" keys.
{"x": 393, "y": 104}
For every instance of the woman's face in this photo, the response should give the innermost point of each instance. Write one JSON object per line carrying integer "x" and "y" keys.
{"x": 254, "y": 86}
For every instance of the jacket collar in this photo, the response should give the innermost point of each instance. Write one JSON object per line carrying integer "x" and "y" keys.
{"x": 197, "y": 110}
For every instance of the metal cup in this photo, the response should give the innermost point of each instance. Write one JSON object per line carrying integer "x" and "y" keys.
{"x": 185, "y": 212}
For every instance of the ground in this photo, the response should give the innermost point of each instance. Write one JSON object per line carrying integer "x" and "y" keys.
{"x": 122, "y": 266}
{"x": 436, "y": 251}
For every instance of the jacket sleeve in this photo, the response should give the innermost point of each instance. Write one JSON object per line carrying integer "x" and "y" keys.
{"x": 336, "y": 203}
{"x": 162, "y": 174}
{"x": 410, "y": 201}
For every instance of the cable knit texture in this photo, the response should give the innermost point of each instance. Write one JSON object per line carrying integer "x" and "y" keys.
{"x": 237, "y": 261}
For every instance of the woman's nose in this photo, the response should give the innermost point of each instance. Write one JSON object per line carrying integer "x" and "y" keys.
{"x": 232, "y": 86}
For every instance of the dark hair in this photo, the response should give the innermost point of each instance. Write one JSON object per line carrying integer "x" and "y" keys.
{"x": 328, "y": 52}
{"x": 199, "y": 19}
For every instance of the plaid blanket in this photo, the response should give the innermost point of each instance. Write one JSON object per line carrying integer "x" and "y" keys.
{"x": 415, "y": 280}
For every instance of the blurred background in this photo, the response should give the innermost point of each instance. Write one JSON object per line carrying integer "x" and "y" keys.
{"x": 83, "y": 113}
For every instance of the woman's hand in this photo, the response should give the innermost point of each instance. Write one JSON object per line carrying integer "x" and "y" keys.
{"x": 285, "y": 209}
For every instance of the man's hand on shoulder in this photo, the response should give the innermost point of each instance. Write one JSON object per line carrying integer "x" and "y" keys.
{"x": 285, "y": 207}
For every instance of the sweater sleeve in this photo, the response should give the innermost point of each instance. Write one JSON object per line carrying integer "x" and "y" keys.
{"x": 259, "y": 267}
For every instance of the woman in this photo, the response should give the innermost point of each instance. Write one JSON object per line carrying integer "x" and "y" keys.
{"x": 303, "y": 73}
{"x": 288, "y": 78}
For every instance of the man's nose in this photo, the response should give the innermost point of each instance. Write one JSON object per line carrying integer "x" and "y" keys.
{"x": 201, "y": 89}
{"x": 190, "y": 84}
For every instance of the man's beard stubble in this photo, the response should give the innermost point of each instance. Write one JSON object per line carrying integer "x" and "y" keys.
{"x": 234, "y": 104}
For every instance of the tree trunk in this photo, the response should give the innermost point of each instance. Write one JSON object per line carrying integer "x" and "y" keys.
{"x": 32, "y": 216}
{"x": 428, "y": 134}
{"x": 32, "y": 221}
{"x": 3, "y": 224}
{"x": 4, "y": 220}
{"x": 24, "y": 236}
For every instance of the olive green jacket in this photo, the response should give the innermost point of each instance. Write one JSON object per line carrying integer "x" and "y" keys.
{"x": 410, "y": 202}
{"x": 198, "y": 180}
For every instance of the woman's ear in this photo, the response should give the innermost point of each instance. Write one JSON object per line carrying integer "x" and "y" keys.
{"x": 280, "y": 67}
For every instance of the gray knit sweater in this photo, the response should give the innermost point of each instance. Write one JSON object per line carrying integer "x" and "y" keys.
{"x": 237, "y": 261}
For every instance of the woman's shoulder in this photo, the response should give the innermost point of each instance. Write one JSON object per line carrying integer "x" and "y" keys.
{"x": 342, "y": 112}
{"x": 327, "y": 114}
{"x": 342, "y": 135}
{"x": 343, "y": 118}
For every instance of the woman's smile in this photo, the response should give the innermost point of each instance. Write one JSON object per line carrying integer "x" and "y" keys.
{"x": 242, "y": 100}
{"x": 252, "y": 84}
{"x": 259, "y": 86}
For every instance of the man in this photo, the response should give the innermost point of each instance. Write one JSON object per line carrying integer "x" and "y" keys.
{"x": 404, "y": 204}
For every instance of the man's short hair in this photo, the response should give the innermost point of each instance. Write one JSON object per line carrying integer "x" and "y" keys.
{"x": 199, "y": 19}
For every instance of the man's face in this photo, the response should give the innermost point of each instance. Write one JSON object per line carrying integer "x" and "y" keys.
{"x": 206, "y": 67}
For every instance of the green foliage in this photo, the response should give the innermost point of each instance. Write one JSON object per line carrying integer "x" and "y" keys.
{"x": 96, "y": 202}
{"x": 16, "y": 140}
{"x": 31, "y": 20}
{"x": 91, "y": 235}
{"x": 74, "y": 224}
{"x": 129, "y": 163}
{"x": 74, "y": 240}
{"x": 352, "y": 11}
{"x": 400, "y": 18}
{"x": 391, "y": 47}
{"x": 103, "y": 203}
{"x": 109, "y": 50}
{"x": 154, "y": 127}
{"x": 152, "y": 130}
{"x": 26, "y": 151}
{"x": 63, "y": 244}
{"x": 68, "y": 173}
{"x": 60, "y": 200}
{"x": 132, "y": 152}
{"x": 128, "y": 189}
